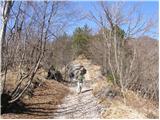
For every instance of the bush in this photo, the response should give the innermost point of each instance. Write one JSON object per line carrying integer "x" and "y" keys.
{"x": 110, "y": 78}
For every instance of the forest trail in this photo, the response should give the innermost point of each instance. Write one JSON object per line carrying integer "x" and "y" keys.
{"x": 83, "y": 105}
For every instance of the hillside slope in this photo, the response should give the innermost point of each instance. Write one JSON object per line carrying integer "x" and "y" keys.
{"x": 56, "y": 100}
{"x": 42, "y": 104}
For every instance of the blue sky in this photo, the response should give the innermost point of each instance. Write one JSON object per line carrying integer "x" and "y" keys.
{"x": 148, "y": 8}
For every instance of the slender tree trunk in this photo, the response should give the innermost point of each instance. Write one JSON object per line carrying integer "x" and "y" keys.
{"x": 5, "y": 17}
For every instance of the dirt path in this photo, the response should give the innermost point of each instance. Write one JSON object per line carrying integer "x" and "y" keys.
{"x": 80, "y": 106}
{"x": 83, "y": 105}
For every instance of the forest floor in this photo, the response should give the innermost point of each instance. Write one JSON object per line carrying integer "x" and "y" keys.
{"x": 42, "y": 104}
{"x": 56, "y": 100}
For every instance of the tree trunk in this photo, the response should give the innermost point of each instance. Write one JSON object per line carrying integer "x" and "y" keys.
{"x": 5, "y": 17}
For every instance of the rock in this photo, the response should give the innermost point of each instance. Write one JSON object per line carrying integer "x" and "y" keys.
{"x": 54, "y": 74}
{"x": 107, "y": 92}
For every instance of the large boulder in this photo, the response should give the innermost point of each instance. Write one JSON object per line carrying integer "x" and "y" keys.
{"x": 54, "y": 74}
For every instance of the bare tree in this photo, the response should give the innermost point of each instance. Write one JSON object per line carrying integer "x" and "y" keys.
{"x": 27, "y": 40}
{"x": 121, "y": 58}
{"x": 5, "y": 17}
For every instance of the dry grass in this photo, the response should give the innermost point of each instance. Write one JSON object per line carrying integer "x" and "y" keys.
{"x": 117, "y": 110}
{"x": 135, "y": 106}
{"x": 11, "y": 80}
{"x": 44, "y": 101}
{"x": 148, "y": 107}
{"x": 98, "y": 86}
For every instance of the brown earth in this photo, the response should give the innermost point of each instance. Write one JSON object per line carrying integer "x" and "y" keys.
{"x": 43, "y": 103}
